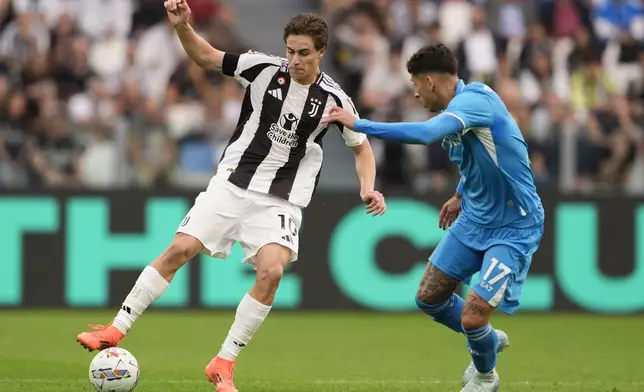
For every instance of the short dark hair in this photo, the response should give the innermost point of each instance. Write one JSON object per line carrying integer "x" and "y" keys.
{"x": 311, "y": 25}
{"x": 433, "y": 58}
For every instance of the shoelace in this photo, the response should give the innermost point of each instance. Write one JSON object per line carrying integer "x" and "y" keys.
{"x": 99, "y": 327}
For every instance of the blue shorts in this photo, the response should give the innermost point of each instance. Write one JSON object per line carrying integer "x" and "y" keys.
{"x": 502, "y": 256}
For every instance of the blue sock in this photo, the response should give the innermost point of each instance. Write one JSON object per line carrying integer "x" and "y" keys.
{"x": 481, "y": 343}
{"x": 447, "y": 313}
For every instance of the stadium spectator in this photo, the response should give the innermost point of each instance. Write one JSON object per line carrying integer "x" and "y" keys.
{"x": 477, "y": 52}
{"x": 104, "y": 83}
{"x": 609, "y": 148}
{"x": 619, "y": 24}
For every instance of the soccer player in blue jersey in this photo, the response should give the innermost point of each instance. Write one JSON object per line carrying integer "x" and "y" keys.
{"x": 495, "y": 218}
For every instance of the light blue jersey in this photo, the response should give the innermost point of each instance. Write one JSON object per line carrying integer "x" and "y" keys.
{"x": 502, "y": 219}
{"x": 497, "y": 183}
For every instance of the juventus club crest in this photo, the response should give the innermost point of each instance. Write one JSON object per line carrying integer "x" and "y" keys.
{"x": 315, "y": 106}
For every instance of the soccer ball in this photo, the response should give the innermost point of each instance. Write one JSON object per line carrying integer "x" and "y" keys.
{"x": 114, "y": 370}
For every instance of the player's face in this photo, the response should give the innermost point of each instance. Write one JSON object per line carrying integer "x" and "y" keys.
{"x": 303, "y": 58}
{"x": 425, "y": 91}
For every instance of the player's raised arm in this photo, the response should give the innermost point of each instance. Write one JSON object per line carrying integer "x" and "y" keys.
{"x": 200, "y": 51}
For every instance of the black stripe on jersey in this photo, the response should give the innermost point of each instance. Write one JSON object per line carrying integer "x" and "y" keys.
{"x": 253, "y": 72}
{"x": 318, "y": 140}
{"x": 320, "y": 136}
{"x": 231, "y": 61}
{"x": 339, "y": 103}
{"x": 326, "y": 81}
{"x": 260, "y": 146}
{"x": 229, "y": 64}
{"x": 244, "y": 115}
{"x": 331, "y": 84}
{"x": 310, "y": 119}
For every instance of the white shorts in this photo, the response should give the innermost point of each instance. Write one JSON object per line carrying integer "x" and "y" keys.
{"x": 225, "y": 214}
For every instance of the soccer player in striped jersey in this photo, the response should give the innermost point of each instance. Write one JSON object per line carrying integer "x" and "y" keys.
{"x": 495, "y": 218}
{"x": 266, "y": 176}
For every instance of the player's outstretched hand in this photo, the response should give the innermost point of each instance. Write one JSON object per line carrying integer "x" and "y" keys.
{"x": 178, "y": 11}
{"x": 375, "y": 202}
{"x": 337, "y": 114}
{"x": 450, "y": 211}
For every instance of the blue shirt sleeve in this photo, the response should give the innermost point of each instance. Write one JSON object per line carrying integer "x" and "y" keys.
{"x": 412, "y": 132}
{"x": 472, "y": 108}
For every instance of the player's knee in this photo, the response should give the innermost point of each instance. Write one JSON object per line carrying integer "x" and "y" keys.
{"x": 270, "y": 274}
{"x": 474, "y": 321}
{"x": 428, "y": 296}
{"x": 179, "y": 252}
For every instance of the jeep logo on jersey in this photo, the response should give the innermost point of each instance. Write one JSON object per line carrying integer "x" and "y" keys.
{"x": 451, "y": 141}
{"x": 289, "y": 121}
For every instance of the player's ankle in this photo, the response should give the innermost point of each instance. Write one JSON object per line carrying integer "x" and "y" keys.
{"x": 120, "y": 326}
{"x": 227, "y": 355}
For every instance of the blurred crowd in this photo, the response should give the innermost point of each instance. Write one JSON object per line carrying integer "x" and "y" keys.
{"x": 99, "y": 93}
{"x": 570, "y": 71}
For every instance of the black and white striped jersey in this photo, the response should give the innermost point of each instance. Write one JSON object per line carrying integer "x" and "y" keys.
{"x": 277, "y": 145}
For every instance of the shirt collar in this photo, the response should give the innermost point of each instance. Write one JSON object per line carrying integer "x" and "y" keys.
{"x": 460, "y": 86}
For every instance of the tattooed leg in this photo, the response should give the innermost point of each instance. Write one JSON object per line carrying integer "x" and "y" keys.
{"x": 477, "y": 311}
{"x": 482, "y": 338}
{"x": 436, "y": 298}
{"x": 435, "y": 286}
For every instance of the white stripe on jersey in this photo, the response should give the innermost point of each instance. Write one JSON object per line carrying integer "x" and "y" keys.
{"x": 310, "y": 166}
{"x": 235, "y": 151}
{"x": 252, "y": 59}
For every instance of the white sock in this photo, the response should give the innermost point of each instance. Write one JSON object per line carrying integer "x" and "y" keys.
{"x": 148, "y": 288}
{"x": 250, "y": 315}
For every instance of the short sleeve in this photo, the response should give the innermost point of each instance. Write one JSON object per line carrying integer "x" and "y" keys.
{"x": 246, "y": 67}
{"x": 351, "y": 138}
{"x": 472, "y": 108}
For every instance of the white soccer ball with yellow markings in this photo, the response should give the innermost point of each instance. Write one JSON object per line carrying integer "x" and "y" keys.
{"x": 114, "y": 370}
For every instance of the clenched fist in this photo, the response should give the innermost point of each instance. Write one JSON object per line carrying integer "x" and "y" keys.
{"x": 178, "y": 11}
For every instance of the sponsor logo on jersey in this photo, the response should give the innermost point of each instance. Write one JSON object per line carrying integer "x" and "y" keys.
{"x": 284, "y": 132}
{"x": 452, "y": 141}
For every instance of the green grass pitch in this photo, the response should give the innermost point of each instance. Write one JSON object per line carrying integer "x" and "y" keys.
{"x": 321, "y": 352}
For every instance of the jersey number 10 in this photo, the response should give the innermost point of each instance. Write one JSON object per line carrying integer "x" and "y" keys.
{"x": 292, "y": 227}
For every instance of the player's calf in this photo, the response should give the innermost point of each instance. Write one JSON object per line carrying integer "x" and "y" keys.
{"x": 270, "y": 264}
{"x": 436, "y": 298}
{"x": 256, "y": 304}
{"x": 481, "y": 337}
{"x": 151, "y": 284}
{"x": 155, "y": 279}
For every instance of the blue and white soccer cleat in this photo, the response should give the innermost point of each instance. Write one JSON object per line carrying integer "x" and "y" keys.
{"x": 504, "y": 342}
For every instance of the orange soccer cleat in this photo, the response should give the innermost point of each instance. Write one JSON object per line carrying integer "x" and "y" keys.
{"x": 220, "y": 372}
{"x": 103, "y": 337}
